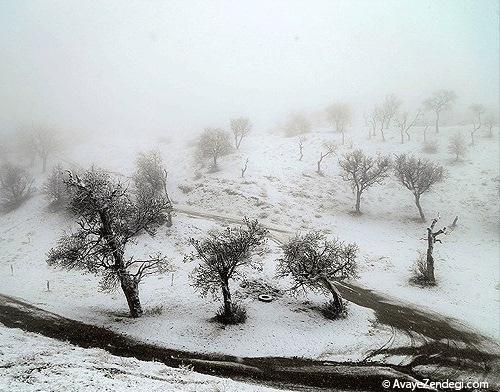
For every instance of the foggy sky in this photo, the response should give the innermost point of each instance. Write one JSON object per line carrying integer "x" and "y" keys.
{"x": 175, "y": 65}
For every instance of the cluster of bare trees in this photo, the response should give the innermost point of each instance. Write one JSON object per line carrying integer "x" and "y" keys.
{"x": 415, "y": 174}
{"x": 215, "y": 143}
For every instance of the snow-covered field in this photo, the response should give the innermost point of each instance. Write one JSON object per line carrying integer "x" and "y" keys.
{"x": 31, "y": 362}
{"x": 281, "y": 190}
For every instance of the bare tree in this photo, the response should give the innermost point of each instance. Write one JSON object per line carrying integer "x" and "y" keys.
{"x": 477, "y": 112}
{"x": 297, "y": 124}
{"x": 457, "y": 146}
{"x": 108, "y": 218}
{"x": 214, "y": 143}
{"x": 16, "y": 185}
{"x": 244, "y": 169}
{"x": 373, "y": 119}
{"x": 490, "y": 122}
{"x": 55, "y": 189}
{"x": 339, "y": 116}
{"x": 44, "y": 142}
{"x": 241, "y": 127}
{"x": 302, "y": 139}
{"x": 440, "y": 100}
{"x": 150, "y": 180}
{"x": 362, "y": 172}
{"x": 314, "y": 263}
{"x": 405, "y": 123}
{"x": 432, "y": 238}
{"x": 418, "y": 176}
{"x": 223, "y": 256}
{"x": 329, "y": 148}
{"x": 389, "y": 109}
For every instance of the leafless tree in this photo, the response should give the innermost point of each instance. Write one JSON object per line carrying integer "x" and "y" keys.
{"x": 339, "y": 116}
{"x": 490, "y": 122}
{"x": 314, "y": 263}
{"x": 362, "y": 172}
{"x": 16, "y": 185}
{"x": 244, "y": 169}
{"x": 328, "y": 149}
{"x": 42, "y": 142}
{"x": 477, "y": 112}
{"x": 223, "y": 256}
{"x": 241, "y": 127}
{"x": 108, "y": 218}
{"x": 302, "y": 139}
{"x": 417, "y": 175}
{"x": 373, "y": 119}
{"x": 432, "y": 238}
{"x": 405, "y": 123}
{"x": 214, "y": 143}
{"x": 457, "y": 146}
{"x": 440, "y": 100}
{"x": 297, "y": 124}
{"x": 389, "y": 109}
{"x": 55, "y": 189}
{"x": 150, "y": 180}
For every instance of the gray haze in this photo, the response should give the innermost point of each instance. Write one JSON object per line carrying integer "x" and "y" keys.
{"x": 179, "y": 65}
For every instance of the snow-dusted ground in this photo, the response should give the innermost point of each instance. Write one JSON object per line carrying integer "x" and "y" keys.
{"x": 279, "y": 189}
{"x": 30, "y": 362}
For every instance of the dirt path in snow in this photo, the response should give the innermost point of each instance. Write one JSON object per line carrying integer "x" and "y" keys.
{"x": 290, "y": 373}
{"x": 444, "y": 344}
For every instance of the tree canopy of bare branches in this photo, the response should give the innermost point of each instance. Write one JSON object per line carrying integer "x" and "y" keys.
{"x": 417, "y": 175}
{"x": 329, "y": 148}
{"x": 214, "y": 143}
{"x": 108, "y": 219}
{"x": 406, "y": 122}
{"x": 339, "y": 116}
{"x": 240, "y": 127}
{"x": 389, "y": 109}
{"x": 150, "y": 180}
{"x": 223, "y": 256}
{"x": 477, "y": 111}
{"x": 16, "y": 185}
{"x": 457, "y": 146}
{"x": 297, "y": 124}
{"x": 362, "y": 172}
{"x": 314, "y": 263}
{"x": 439, "y": 101}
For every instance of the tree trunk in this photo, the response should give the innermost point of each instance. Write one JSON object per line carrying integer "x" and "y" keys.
{"x": 358, "y": 201}
{"x": 407, "y": 135}
{"x": 215, "y": 160}
{"x": 319, "y": 166}
{"x": 130, "y": 288}
{"x": 421, "y": 212}
{"x": 383, "y": 136}
{"x": 437, "y": 122}
{"x": 430, "y": 259}
{"x": 472, "y": 137}
{"x": 343, "y": 137}
{"x": 402, "y": 137}
{"x": 228, "y": 305}
{"x": 337, "y": 298}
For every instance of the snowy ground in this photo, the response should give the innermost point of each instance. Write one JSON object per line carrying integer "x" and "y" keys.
{"x": 279, "y": 189}
{"x": 31, "y": 362}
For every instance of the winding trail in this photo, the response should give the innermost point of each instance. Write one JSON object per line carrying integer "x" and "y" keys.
{"x": 447, "y": 346}
{"x": 438, "y": 347}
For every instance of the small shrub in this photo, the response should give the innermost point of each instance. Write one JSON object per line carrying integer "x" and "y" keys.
{"x": 332, "y": 312}
{"x": 431, "y": 147}
{"x": 155, "y": 310}
{"x": 237, "y": 316}
{"x": 16, "y": 186}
